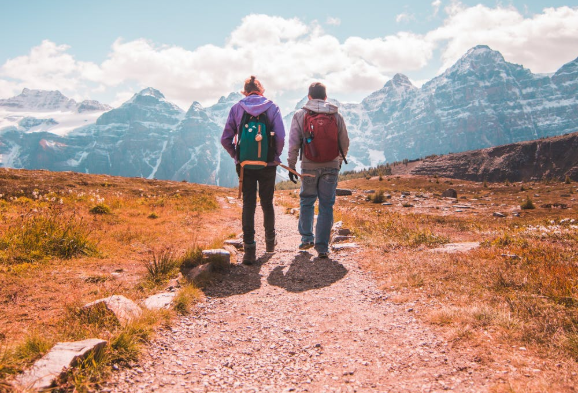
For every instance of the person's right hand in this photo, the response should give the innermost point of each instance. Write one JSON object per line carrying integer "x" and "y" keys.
{"x": 293, "y": 177}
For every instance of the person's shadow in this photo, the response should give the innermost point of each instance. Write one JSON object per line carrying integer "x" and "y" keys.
{"x": 306, "y": 273}
{"x": 238, "y": 280}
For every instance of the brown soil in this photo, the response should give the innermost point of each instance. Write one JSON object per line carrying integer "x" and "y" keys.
{"x": 294, "y": 322}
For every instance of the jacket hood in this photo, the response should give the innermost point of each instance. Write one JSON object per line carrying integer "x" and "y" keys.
{"x": 255, "y": 104}
{"x": 320, "y": 106}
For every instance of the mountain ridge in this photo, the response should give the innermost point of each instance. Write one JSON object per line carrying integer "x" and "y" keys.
{"x": 481, "y": 101}
{"x": 50, "y": 100}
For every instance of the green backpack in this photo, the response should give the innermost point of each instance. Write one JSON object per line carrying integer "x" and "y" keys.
{"x": 255, "y": 142}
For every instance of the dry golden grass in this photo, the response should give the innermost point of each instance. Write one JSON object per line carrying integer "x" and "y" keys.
{"x": 519, "y": 288}
{"x": 67, "y": 239}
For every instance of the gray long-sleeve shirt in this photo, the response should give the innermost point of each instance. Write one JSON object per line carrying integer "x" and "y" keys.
{"x": 296, "y": 135}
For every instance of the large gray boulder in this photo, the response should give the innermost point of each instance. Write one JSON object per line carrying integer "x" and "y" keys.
{"x": 62, "y": 356}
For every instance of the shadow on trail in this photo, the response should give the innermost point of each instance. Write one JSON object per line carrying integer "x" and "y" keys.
{"x": 305, "y": 274}
{"x": 240, "y": 279}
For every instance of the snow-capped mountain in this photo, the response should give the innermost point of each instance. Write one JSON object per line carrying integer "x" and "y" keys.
{"x": 39, "y": 100}
{"x": 49, "y": 101}
{"x": 41, "y": 110}
{"x": 147, "y": 136}
{"x": 479, "y": 102}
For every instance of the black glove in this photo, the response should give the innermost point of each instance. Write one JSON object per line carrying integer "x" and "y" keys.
{"x": 293, "y": 177}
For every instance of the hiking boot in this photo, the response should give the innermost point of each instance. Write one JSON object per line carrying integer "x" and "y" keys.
{"x": 323, "y": 255}
{"x": 250, "y": 250}
{"x": 270, "y": 244}
{"x": 306, "y": 245}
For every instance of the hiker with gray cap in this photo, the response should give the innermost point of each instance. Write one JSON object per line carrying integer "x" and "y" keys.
{"x": 319, "y": 136}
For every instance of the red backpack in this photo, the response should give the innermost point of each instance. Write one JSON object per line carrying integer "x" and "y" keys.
{"x": 320, "y": 137}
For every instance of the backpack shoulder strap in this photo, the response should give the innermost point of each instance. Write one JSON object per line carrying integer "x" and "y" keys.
{"x": 244, "y": 119}
{"x": 338, "y": 141}
{"x": 265, "y": 120}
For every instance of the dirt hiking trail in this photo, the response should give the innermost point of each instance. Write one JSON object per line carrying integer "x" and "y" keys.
{"x": 296, "y": 323}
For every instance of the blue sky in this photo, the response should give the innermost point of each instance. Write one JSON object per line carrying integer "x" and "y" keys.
{"x": 108, "y": 49}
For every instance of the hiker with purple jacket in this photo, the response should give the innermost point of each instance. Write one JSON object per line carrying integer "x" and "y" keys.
{"x": 254, "y": 134}
{"x": 319, "y": 133}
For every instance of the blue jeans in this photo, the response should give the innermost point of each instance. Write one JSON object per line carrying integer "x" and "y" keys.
{"x": 321, "y": 186}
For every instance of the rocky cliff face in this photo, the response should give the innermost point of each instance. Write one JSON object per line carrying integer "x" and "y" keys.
{"x": 554, "y": 157}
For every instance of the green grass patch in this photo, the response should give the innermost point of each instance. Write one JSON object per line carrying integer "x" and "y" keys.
{"x": 186, "y": 298}
{"x": 161, "y": 266}
{"x": 33, "y": 347}
{"x": 192, "y": 257}
{"x": 41, "y": 235}
{"x": 425, "y": 237}
{"x": 14, "y": 359}
{"x": 124, "y": 346}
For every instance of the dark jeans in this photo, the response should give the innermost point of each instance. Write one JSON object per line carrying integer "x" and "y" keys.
{"x": 265, "y": 178}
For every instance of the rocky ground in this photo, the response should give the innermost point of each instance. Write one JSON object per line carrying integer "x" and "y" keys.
{"x": 294, "y": 322}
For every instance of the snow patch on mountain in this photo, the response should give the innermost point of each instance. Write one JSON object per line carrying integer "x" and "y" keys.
{"x": 65, "y": 121}
{"x": 159, "y": 160}
{"x": 11, "y": 157}
{"x": 77, "y": 160}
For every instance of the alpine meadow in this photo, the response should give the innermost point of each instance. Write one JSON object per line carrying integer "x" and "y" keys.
{"x": 252, "y": 197}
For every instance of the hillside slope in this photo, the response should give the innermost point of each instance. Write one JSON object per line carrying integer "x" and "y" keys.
{"x": 554, "y": 157}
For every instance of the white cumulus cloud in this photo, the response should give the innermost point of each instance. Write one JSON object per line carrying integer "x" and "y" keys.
{"x": 265, "y": 29}
{"x": 398, "y": 53}
{"x": 288, "y": 54}
{"x": 436, "y": 4}
{"x": 404, "y": 17}
{"x": 542, "y": 42}
{"x": 331, "y": 21}
{"x": 49, "y": 67}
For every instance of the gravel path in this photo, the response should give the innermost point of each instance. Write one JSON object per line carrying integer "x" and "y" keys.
{"x": 297, "y": 323}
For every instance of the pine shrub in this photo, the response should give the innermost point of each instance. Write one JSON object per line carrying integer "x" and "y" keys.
{"x": 101, "y": 208}
{"x": 527, "y": 204}
{"x": 378, "y": 197}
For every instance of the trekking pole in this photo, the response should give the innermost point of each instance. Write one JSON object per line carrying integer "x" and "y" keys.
{"x": 294, "y": 171}
{"x": 264, "y": 164}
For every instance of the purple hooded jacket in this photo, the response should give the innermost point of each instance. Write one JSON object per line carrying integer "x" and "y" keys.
{"x": 254, "y": 105}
